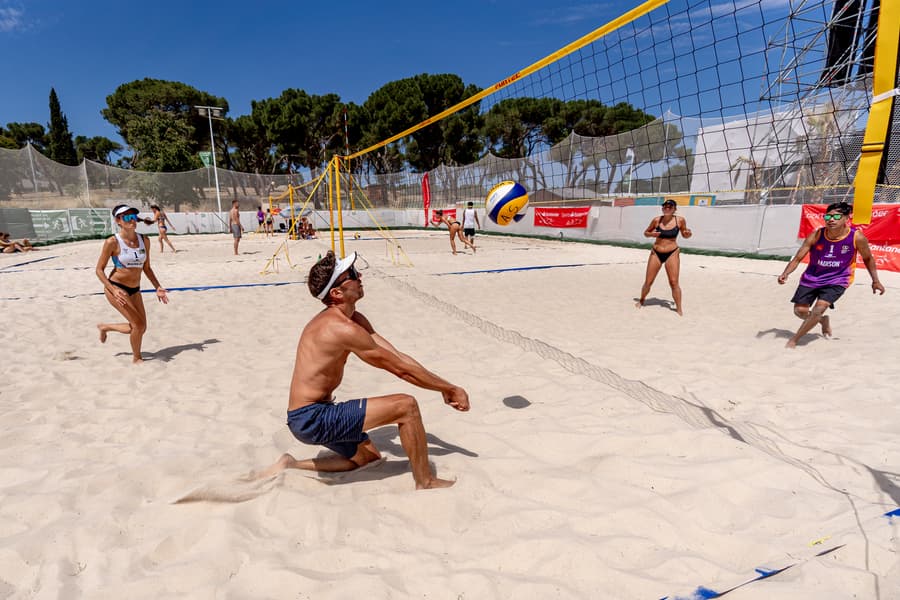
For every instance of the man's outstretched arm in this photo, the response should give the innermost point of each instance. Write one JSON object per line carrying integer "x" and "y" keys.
{"x": 378, "y": 352}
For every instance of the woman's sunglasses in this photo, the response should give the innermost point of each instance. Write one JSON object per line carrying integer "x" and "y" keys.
{"x": 130, "y": 217}
{"x": 833, "y": 217}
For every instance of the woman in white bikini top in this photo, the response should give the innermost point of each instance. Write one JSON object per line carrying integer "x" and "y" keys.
{"x": 130, "y": 254}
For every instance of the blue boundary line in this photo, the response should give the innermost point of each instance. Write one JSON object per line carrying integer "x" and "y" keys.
{"x": 534, "y": 268}
{"x": 28, "y": 262}
{"x": 193, "y": 288}
{"x": 705, "y": 593}
{"x": 203, "y": 288}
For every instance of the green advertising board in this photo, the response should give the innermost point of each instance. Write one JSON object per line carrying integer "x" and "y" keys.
{"x": 71, "y": 223}
{"x": 90, "y": 221}
{"x": 51, "y": 224}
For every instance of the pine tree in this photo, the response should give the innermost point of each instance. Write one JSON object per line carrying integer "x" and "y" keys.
{"x": 61, "y": 147}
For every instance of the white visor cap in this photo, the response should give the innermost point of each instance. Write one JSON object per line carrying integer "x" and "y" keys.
{"x": 124, "y": 209}
{"x": 340, "y": 267}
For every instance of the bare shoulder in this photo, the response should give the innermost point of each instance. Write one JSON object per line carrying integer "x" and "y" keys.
{"x": 332, "y": 324}
{"x": 361, "y": 320}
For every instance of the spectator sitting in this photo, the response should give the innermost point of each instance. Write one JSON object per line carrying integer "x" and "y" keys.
{"x": 8, "y": 246}
{"x": 307, "y": 232}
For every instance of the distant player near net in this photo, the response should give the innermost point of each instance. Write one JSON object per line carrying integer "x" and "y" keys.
{"x": 455, "y": 228}
{"x": 665, "y": 251}
{"x": 832, "y": 260}
{"x": 470, "y": 222}
{"x": 163, "y": 223}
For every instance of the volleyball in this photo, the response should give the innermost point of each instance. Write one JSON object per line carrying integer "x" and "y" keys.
{"x": 506, "y": 202}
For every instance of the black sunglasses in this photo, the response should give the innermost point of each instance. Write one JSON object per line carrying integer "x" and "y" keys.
{"x": 352, "y": 275}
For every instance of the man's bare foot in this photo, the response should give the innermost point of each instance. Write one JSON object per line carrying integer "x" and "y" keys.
{"x": 435, "y": 483}
{"x": 102, "y": 334}
{"x": 639, "y": 304}
{"x": 284, "y": 462}
{"x": 680, "y": 312}
{"x": 826, "y": 326}
{"x": 791, "y": 343}
{"x": 137, "y": 361}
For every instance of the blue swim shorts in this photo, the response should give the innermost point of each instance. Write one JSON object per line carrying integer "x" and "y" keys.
{"x": 337, "y": 426}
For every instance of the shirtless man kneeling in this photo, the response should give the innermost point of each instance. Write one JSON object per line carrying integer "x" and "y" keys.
{"x": 325, "y": 344}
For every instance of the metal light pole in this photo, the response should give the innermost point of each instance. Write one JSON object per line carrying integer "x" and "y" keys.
{"x": 210, "y": 112}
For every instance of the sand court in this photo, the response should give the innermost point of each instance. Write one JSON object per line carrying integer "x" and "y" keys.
{"x": 610, "y": 451}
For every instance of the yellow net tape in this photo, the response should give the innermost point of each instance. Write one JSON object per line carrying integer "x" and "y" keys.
{"x": 624, "y": 19}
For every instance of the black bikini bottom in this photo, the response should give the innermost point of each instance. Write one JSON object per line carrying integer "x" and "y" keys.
{"x": 663, "y": 256}
{"x": 130, "y": 290}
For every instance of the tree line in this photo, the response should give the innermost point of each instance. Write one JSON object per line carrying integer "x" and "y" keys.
{"x": 164, "y": 133}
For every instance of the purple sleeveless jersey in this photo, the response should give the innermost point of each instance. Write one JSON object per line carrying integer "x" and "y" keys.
{"x": 831, "y": 263}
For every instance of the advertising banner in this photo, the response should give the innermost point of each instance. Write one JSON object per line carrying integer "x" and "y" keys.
{"x": 426, "y": 196}
{"x": 90, "y": 221}
{"x": 883, "y": 232}
{"x": 51, "y": 224}
{"x": 576, "y": 217}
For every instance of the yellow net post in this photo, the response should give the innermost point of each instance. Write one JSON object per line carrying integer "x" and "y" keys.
{"x": 292, "y": 225}
{"x": 879, "y": 124}
{"x": 340, "y": 214}
{"x": 350, "y": 187}
{"x": 330, "y": 171}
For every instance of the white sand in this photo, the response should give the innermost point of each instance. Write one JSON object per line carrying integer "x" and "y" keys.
{"x": 610, "y": 452}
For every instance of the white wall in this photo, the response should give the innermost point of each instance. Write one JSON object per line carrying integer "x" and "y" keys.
{"x": 750, "y": 228}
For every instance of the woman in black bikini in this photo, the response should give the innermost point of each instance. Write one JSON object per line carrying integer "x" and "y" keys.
{"x": 456, "y": 231}
{"x": 130, "y": 254}
{"x": 160, "y": 218}
{"x": 665, "y": 251}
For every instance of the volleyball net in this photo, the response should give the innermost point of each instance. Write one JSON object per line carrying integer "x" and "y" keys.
{"x": 720, "y": 102}
{"x": 747, "y": 101}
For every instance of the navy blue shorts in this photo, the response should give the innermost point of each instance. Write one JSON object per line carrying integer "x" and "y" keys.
{"x": 809, "y": 295}
{"x": 337, "y": 426}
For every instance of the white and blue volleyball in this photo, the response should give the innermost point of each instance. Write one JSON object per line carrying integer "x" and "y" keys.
{"x": 506, "y": 202}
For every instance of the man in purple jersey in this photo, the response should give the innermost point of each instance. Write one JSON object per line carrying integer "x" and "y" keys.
{"x": 832, "y": 260}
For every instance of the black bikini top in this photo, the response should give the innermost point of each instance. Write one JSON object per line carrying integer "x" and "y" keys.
{"x": 668, "y": 233}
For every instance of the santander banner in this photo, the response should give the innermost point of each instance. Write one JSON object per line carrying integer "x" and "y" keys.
{"x": 561, "y": 217}
{"x": 883, "y": 232}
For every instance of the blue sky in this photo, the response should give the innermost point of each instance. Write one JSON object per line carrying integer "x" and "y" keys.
{"x": 247, "y": 51}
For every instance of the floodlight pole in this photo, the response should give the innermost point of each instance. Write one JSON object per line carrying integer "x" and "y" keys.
{"x": 210, "y": 111}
